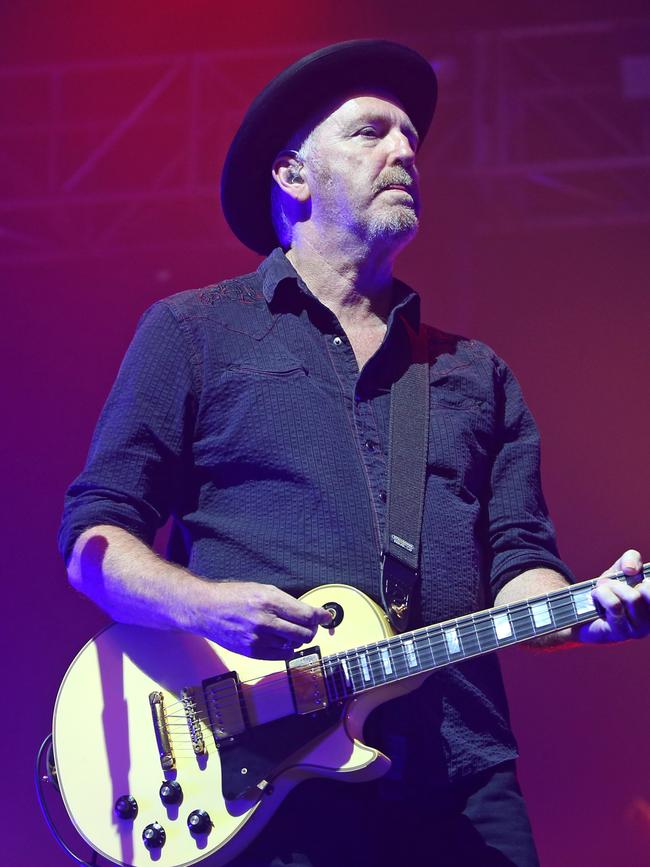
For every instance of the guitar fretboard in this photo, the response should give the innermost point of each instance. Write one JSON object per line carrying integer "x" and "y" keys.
{"x": 431, "y": 647}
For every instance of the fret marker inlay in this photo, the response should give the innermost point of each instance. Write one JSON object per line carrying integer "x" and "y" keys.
{"x": 541, "y": 613}
{"x": 431, "y": 647}
{"x": 451, "y": 637}
{"x": 502, "y": 626}
{"x": 583, "y": 601}
{"x": 411, "y": 655}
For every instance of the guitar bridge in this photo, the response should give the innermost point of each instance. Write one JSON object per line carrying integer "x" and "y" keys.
{"x": 193, "y": 722}
{"x": 161, "y": 731}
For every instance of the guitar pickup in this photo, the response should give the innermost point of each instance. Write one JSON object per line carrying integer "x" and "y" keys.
{"x": 225, "y": 706}
{"x": 307, "y": 681}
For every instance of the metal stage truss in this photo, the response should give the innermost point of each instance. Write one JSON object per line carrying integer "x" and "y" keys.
{"x": 542, "y": 127}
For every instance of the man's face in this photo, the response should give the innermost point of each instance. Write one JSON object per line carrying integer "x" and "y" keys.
{"x": 361, "y": 170}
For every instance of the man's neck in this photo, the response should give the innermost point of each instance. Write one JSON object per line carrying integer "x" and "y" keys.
{"x": 355, "y": 286}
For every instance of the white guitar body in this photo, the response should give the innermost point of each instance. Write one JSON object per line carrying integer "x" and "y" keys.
{"x": 248, "y": 731}
{"x": 105, "y": 746}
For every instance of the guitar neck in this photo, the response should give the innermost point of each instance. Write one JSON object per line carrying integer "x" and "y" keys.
{"x": 432, "y": 647}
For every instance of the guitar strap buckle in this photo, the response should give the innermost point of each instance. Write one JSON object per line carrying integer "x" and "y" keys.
{"x": 397, "y": 583}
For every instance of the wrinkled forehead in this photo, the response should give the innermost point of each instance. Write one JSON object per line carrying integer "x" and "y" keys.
{"x": 369, "y": 103}
{"x": 355, "y": 107}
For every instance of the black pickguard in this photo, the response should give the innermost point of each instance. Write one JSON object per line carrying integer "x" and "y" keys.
{"x": 264, "y": 748}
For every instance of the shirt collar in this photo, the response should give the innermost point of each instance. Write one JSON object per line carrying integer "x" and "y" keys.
{"x": 276, "y": 268}
{"x": 273, "y": 270}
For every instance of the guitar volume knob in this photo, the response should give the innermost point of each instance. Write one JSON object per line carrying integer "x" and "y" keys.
{"x": 154, "y": 836}
{"x": 171, "y": 792}
{"x": 126, "y": 807}
{"x": 199, "y": 822}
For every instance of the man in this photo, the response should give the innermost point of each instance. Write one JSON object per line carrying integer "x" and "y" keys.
{"x": 256, "y": 413}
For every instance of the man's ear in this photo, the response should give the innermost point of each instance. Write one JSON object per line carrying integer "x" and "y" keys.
{"x": 289, "y": 174}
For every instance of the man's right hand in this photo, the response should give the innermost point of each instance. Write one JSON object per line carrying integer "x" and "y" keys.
{"x": 134, "y": 585}
{"x": 257, "y": 620}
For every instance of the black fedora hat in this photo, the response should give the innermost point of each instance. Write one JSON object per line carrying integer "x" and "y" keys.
{"x": 296, "y": 95}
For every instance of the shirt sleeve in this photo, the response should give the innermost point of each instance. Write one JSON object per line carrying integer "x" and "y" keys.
{"x": 141, "y": 446}
{"x": 521, "y": 533}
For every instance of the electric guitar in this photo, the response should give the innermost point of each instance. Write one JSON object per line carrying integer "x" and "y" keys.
{"x": 169, "y": 748}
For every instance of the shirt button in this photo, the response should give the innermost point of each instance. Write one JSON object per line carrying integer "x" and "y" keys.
{"x": 382, "y": 496}
{"x": 337, "y": 341}
{"x": 369, "y": 445}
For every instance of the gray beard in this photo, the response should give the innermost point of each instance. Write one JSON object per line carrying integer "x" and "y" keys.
{"x": 400, "y": 222}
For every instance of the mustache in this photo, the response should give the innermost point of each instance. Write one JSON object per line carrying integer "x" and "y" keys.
{"x": 396, "y": 175}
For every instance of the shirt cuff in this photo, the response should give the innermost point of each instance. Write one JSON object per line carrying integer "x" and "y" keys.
{"x": 499, "y": 581}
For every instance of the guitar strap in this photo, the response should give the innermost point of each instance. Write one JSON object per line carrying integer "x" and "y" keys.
{"x": 407, "y": 469}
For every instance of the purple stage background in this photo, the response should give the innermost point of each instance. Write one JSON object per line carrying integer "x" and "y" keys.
{"x": 545, "y": 259}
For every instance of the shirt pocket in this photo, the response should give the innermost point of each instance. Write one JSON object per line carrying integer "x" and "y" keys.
{"x": 278, "y": 369}
{"x": 256, "y": 412}
{"x": 455, "y": 400}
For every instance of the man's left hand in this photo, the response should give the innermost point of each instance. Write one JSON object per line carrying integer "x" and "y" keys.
{"x": 626, "y": 609}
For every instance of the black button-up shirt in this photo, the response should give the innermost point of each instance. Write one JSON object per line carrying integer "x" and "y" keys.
{"x": 240, "y": 411}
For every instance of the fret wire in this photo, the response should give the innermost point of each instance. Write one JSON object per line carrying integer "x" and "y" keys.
{"x": 339, "y": 684}
{"x": 414, "y": 647}
{"x": 427, "y": 631}
{"x": 363, "y": 655}
{"x": 354, "y": 668}
{"x": 557, "y": 603}
{"x": 404, "y": 658}
{"x": 336, "y": 673}
{"x": 396, "y": 659}
{"x": 482, "y": 623}
{"x": 478, "y": 639}
{"x": 376, "y": 664}
{"x": 440, "y": 643}
{"x": 348, "y": 683}
{"x": 488, "y": 629}
{"x": 329, "y": 681}
{"x": 345, "y": 671}
{"x": 549, "y": 605}
{"x": 429, "y": 648}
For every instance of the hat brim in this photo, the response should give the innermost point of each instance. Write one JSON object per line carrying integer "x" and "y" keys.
{"x": 296, "y": 95}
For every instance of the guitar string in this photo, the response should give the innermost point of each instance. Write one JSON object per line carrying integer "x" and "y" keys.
{"x": 436, "y": 642}
{"x": 182, "y": 744}
{"x": 373, "y": 654}
{"x": 515, "y": 613}
{"x": 348, "y": 686}
{"x": 340, "y": 687}
{"x": 465, "y": 621}
{"x": 181, "y": 741}
{"x": 434, "y": 633}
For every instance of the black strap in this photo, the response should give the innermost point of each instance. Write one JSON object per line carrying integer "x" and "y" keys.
{"x": 407, "y": 468}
